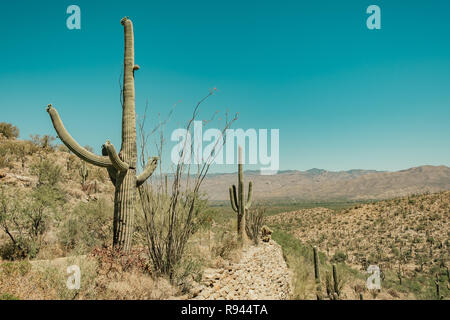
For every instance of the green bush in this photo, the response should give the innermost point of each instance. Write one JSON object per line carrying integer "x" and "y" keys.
{"x": 9, "y": 152}
{"x": 87, "y": 226}
{"x": 339, "y": 257}
{"x": 26, "y": 217}
{"x": 48, "y": 173}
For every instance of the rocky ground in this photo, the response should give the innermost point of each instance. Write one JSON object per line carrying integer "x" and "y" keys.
{"x": 261, "y": 273}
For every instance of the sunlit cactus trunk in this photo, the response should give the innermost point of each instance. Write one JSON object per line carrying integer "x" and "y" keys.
{"x": 238, "y": 203}
{"x": 121, "y": 167}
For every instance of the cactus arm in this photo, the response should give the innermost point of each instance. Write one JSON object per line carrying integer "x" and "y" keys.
{"x": 114, "y": 157}
{"x": 233, "y": 199}
{"x": 70, "y": 142}
{"x": 112, "y": 172}
{"x": 152, "y": 163}
{"x": 250, "y": 195}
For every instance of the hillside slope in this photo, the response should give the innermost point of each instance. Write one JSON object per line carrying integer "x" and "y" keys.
{"x": 407, "y": 238}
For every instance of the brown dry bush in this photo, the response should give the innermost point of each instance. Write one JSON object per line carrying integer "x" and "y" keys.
{"x": 254, "y": 223}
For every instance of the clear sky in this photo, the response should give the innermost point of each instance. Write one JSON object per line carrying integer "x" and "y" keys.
{"x": 343, "y": 96}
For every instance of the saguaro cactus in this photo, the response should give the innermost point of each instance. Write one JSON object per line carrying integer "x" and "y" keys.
{"x": 317, "y": 273}
{"x": 335, "y": 281}
{"x": 84, "y": 172}
{"x": 316, "y": 265}
{"x": 238, "y": 203}
{"x": 121, "y": 167}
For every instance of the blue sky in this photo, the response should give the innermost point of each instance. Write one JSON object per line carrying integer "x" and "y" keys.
{"x": 342, "y": 96}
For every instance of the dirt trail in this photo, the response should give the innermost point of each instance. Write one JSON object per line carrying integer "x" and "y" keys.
{"x": 261, "y": 273}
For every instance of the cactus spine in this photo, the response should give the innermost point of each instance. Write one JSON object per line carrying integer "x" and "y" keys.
{"x": 84, "y": 172}
{"x": 238, "y": 203}
{"x": 121, "y": 167}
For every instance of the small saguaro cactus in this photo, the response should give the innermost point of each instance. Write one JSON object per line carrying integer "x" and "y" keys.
{"x": 121, "y": 166}
{"x": 238, "y": 203}
{"x": 335, "y": 280}
{"x": 316, "y": 265}
{"x": 84, "y": 172}
{"x": 333, "y": 284}
{"x": 436, "y": 282}
{"x": 317, "y": 273}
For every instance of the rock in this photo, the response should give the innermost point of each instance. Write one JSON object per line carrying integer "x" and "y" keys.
{"x": 266, "y": 233}
{"x": 261, "y": 273}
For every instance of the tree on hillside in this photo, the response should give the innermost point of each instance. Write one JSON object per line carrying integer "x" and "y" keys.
{"x": 9, "y": 131}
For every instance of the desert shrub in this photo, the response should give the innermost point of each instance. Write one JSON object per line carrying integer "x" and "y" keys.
{"x": 225, "y": 245}
{"x": 75, "y": 231}
{"x": 16, "y": 150}
{"x": 45, "y": 142}
{"x": 48, "y": 173}
{"x": 339, "y": 257}
{"x": 114, "y": 262}
{"x": 188, "y": 269}
{"x": 254, "y": 222}
{"x": 9, "y": 131}
{"x": 99, "y": 174}
{"x": 5, "y": 161}
{"x": 19, "y": 268}
{"x": 9, "y": 151}
{"x": 62, "y": 148}
{"x": 53, "y": 279}
{"x": 25, "y": 217}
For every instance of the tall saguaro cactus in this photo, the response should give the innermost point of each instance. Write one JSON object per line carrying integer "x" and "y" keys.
{"x": 238, "y": 203}
{"x": 122, "y": 166}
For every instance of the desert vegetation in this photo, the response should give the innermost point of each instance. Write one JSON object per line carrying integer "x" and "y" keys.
{"x": 156, "y": 235}
{"x": 49, "y": 220}
{"x": 407, "y": 238}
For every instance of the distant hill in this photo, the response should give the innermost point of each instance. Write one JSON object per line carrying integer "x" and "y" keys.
{"x": 319, "y": 184}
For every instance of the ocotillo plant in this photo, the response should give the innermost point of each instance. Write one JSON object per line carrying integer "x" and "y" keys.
{"x": 84, "y": 172}
{"x": 238, "y": 203}
{"x": 121, "y": 167}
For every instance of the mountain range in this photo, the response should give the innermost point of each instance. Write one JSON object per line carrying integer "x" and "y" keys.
{"x": 318, "y": 184}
